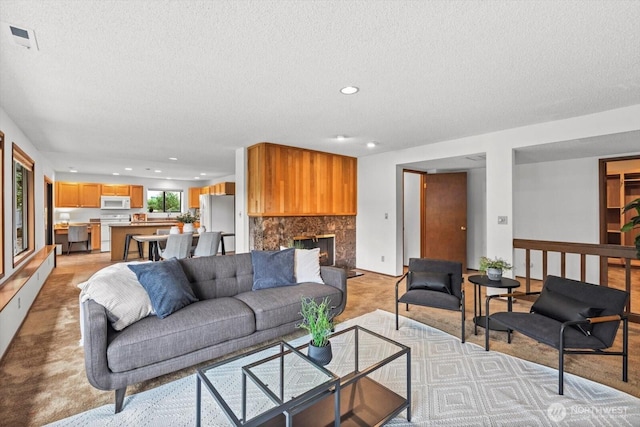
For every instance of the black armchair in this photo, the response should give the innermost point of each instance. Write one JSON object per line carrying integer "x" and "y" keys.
{"x": 573, "y": 317}
{"x": 433, "y": 283}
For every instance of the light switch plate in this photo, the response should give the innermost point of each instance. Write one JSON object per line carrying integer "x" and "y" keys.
{"x": 503, "y": 220}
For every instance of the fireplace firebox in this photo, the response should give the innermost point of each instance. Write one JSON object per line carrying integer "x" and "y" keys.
{"x": 326, "y": 243}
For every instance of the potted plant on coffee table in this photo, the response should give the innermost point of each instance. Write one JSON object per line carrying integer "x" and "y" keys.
{"x": 494, "y": 267}
{"x": 316, "y": 320}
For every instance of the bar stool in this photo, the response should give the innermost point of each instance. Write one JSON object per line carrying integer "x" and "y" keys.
{"x": 127, "y": 241}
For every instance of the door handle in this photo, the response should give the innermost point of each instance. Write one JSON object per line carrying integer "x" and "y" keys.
{"x": 463, "y": 228}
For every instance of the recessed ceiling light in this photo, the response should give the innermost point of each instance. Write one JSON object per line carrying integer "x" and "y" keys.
{"x": 173, "y": 158}
{"x": 115, "y": 173}
{"x": 128, "y": 169}
{"x": 202, "y": 174}
{"x": 168, "y": 177}
{"x": 196, "y": 177}
{"x": 73, "y": 171}
{"x": 341, "y": 137}
{"x": 371, "y": 144}
{"x": 157, "y": 171}
{"x": 349, "y": 90}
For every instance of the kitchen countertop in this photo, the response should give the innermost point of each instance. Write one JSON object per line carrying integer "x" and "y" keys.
{"x": 144, "y": 224}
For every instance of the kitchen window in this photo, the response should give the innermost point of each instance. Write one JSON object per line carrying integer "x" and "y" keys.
{"x": 23, "y": 206}
{"x": 164, "y": 201}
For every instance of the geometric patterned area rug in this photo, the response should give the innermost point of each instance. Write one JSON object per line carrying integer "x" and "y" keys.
{"x": 453, "y": 384}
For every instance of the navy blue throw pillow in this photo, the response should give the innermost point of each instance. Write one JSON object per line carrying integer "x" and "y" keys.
{"x": 272, "y": 269}
{"x": 167, "y": 285}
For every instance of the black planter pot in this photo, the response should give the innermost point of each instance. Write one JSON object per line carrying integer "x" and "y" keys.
{"x": 320, "y": 355}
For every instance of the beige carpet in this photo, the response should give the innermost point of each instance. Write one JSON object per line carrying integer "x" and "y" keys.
{"x": 452, "y": 384}
{"x": 42, "y": 375}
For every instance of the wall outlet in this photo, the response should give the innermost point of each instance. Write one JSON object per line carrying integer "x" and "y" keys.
{"x": 386, "y": 216}
{"x": 503, "y": 220}
{"x": 382, "y": 258}
{"x": 18, "y": 302}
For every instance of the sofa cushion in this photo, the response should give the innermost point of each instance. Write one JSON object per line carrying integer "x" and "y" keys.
{"x": 273, "y": 268}
{"x": 307, "y": 265}
{"x": 166, "y": 284}
{"x": 219, "y": 276}
{"x": 546, "y": 330}
{"x": 564, "y": 309}
{"x": 117, "y": 289}
{"x": 200, "y": 325}
{"x": 277, "y": 306}
{"x": 430, "y": 281}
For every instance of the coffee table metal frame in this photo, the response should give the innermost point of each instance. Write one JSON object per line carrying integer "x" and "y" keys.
{"x": 306, "y": 402}
{"x": 282, "y": 406}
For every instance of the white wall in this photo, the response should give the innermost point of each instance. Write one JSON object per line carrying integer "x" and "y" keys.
{"x": 379, "y": 188}
{"x": 411, "y": 216}
{"x": 42, "y": 168}
{"x": 557, "y": 201}
{"x": 476, "y": 216}
{"x": 242, "y": 220}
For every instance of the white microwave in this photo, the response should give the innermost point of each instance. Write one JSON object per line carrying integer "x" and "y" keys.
{"x": 115, "y": 202}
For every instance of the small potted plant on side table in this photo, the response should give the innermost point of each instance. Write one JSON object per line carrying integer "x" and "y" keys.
{"x": 494, "y": 267}
{"x": 316, "y": 320}
{"x": 187, "y": 219}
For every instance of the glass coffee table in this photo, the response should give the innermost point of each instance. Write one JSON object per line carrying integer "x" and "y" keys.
{"x": 277, "y": 385}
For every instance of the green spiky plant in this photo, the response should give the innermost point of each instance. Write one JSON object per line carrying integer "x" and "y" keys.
{"x": 316, "y": 320}
{"x": 634, "y": 223}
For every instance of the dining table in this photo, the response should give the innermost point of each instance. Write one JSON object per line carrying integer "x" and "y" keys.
{"x": 154, "y": 242}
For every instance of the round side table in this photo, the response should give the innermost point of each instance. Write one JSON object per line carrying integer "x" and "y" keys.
{"x": 479, "y": 281}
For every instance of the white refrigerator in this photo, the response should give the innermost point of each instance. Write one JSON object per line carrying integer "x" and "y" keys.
{"x": 217, "y": 213}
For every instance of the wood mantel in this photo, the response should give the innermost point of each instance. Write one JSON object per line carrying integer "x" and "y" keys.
{"x": 291, "y": 181}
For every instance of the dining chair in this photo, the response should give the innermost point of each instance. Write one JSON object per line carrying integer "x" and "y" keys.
{"x": 77, "y": 234}
{"x": 162, "y": 232}
{"x": 208, "y": 243}
{"x": 178, "y": 246}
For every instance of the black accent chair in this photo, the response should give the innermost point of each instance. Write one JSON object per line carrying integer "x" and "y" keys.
{"x": 573, "y": 317}
{"x": 433, "y": 283}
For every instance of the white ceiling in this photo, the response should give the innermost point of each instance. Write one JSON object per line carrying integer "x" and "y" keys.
{"x": 119, "y": 84}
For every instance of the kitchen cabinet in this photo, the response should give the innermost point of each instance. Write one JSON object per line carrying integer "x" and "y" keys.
{"x": 77, "y": 195}
{"x": 194, "y": 197}
{"x": 137, "y": 196}
{"x": 219, "y": 189}
{"x": 291, "y": 181}
{"x": 95, "y": 237}
{"x": 116, "y": 190}
{"x": 223, "y": 189}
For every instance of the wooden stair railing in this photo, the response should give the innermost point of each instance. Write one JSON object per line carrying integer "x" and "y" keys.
{"x": 625, "y": 253}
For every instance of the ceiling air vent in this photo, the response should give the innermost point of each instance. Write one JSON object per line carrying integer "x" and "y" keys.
{"x": 22, "y": 36}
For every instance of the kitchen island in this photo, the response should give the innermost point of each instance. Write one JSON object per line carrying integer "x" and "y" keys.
{"x": 120, "y": 231}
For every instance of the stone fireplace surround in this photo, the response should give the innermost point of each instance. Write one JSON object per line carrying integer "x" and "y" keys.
{"x": 269, "y": 233}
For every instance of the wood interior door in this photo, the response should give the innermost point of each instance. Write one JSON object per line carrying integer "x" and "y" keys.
{"x": 445, "y": 217}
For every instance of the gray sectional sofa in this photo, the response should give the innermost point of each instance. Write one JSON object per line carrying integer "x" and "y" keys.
{"x": 228, "y": 316}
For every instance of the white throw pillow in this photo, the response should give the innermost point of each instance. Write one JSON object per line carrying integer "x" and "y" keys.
{"x": 117, "y": 289}
{"x": 307, "y": 265}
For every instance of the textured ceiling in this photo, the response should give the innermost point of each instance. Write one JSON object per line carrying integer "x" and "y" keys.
{"x": 119, "y": 84}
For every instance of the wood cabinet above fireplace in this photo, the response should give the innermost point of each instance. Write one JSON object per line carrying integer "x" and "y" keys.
{"x": 291, "y": 181}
